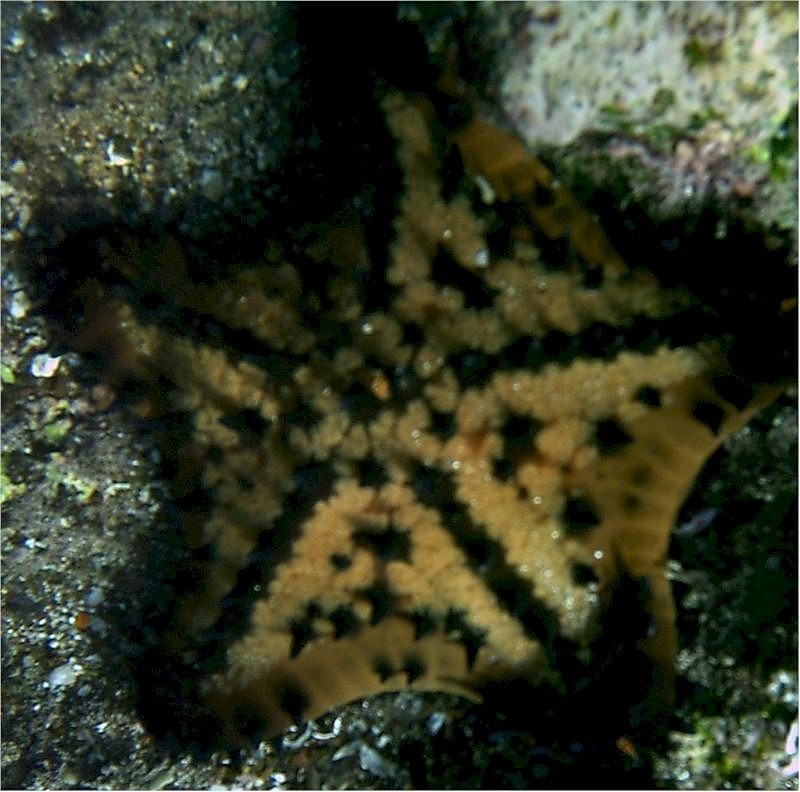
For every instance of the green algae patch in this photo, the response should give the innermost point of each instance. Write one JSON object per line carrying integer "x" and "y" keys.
{"x": 56, "y": 431}
{"x": 57, "y": 477}
{"x": 778, "y": 152}
{"x": 783, "y": 147}
{"x": 56, "y": 422}
{"x": 10, "y": 490}
{"x": 7, "y": 376}
{"x": 702, "y": 53}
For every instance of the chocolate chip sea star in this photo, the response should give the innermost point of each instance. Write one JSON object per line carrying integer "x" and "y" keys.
{"x": 443, "y": 470}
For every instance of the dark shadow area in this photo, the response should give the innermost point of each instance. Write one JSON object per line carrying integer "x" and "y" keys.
{"x": 738, "y": 529}
{"x": 343, "y": 169}
{"x": 741, "y": 276}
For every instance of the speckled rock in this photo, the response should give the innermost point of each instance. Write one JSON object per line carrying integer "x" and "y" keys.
{"x": 684, "y": 103}
{"x": 130, "y": 111}
{"x": 680, "y": 66}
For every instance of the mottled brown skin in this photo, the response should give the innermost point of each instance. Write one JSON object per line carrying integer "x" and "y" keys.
{"x": 410, "y": 506}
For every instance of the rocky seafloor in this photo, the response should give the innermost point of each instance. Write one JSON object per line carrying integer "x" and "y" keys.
{"x": 189, "y": 120}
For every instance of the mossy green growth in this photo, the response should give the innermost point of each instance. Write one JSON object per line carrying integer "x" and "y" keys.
{"x": 709, "y": 754}
{"x": 729, "y": 768}
{"x": 56, "y": 431}
{"x": 7, "y": 376}
{"x": 56, "y": 422}
{"x": 698, "y": 120}
{"x": 58, "y": 477}
{"x": 663, "y": 100}
{"x": 662, "y": 136}
{"x": 702, "y": 53}
{"x": 616, "y": 118}
{"x": 780, "y": 150}
{"x": 783, "y": 147}
{"x": 8, "y": 489}
{"x": 659, "y": 135}
{"x": 758, "y": 153}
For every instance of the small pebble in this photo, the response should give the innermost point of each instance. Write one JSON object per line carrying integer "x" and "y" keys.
{"x": 44, "y": 365}
{"x": 163, "y": 778}
{"x": 435, "y": 722}
{"x": 211, "y": 184}
{"x": 482, "y": 258}
{"x": 62, "y": 676}
{"x": 347, "y": 750}
{"x": 371, "y": 761}
{"x": 95, "y": 596}
{"x": 82, "y": 621}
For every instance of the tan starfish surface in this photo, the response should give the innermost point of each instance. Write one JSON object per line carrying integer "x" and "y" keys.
{"x": 433, "y": 471}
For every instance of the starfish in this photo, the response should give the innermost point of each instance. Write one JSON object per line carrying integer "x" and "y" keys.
{"x": 441, "y": 471}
